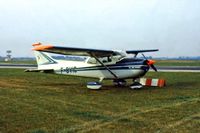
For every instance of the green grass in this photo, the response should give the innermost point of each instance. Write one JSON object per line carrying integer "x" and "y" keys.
{"x": 178, "y": 63}
{"x": 31, "y": 62}
{"x": 41, "y": 103}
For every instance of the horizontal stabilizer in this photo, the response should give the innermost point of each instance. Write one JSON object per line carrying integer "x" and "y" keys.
{"x": 40, "y": 70}
{"x": 140, "y": 51}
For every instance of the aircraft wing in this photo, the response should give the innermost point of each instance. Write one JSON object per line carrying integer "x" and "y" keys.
{"x": 83, "y": 51}
{"x": 73, "y": 51}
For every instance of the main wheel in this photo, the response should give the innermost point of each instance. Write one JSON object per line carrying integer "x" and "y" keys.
{"x": 94, "y": 85}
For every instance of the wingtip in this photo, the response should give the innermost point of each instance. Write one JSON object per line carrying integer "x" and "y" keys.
{"x": 40, "y": 47}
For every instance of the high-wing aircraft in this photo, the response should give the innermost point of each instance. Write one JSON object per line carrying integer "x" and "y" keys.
{"x": 102, "y": 64}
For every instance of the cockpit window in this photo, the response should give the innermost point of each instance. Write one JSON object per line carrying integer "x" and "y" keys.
{"x": 104, "y": 60}
{"x": 92, "y": 61}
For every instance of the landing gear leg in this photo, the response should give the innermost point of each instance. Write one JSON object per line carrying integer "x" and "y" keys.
{"x": 101, "y": 79}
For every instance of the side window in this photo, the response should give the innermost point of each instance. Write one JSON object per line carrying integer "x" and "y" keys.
{"x": 104, "y": 60}
{"x": 92, "y": 61}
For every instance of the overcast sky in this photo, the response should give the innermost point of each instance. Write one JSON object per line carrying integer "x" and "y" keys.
{"x": 173, "y": 26}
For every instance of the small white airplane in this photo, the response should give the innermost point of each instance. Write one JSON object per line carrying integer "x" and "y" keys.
{"x": 102, "y": 64}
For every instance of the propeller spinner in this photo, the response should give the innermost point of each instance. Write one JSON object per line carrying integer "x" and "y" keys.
{"x": 150, "y": 63}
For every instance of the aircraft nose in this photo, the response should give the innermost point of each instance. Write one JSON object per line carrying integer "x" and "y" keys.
{"x": 145, "y": 68}
{"x": 150, "y": 62}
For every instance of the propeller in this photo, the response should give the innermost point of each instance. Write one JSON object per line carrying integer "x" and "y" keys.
{"x": 150, "y": 63}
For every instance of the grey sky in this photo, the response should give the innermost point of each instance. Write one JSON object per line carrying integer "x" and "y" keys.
{"x": 173, "y": 26}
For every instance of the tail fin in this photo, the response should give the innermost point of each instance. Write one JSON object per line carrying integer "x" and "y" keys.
{"x": 43, "y": 58}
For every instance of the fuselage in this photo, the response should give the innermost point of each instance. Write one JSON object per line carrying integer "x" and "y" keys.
{"x": 123, "y": 69}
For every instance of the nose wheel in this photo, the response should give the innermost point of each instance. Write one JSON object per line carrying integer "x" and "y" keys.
{"x": 135, "y": 85}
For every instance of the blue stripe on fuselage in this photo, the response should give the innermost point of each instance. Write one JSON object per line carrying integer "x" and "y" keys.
{"x": 117, "y": 66}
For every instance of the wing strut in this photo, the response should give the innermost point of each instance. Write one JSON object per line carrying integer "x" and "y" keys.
{"x": 93, "y": 55}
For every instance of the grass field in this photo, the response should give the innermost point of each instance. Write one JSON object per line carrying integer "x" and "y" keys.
{"x": 41, "y": 103}
{"x": 178, "y": 63}
{"x": 31, "y": 62}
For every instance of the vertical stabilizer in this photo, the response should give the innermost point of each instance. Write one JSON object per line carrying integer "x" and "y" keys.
{"x": 43, "y": 58}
